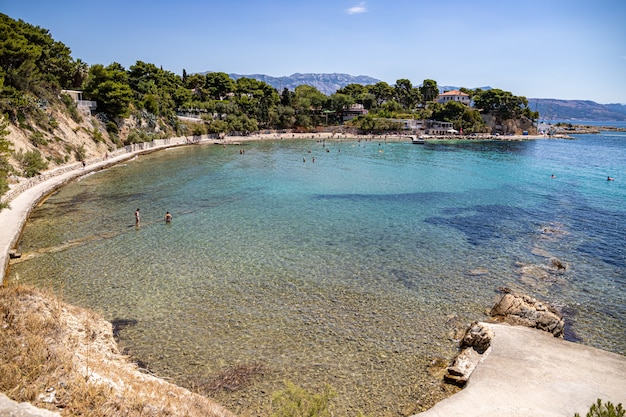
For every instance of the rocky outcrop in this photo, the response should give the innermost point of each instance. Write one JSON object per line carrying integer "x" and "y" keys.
{"x": 522, "y": 310}
{"x": 474, "y": 345}
{"x": 12, "y": 408}
{"x": 514, "y": 309}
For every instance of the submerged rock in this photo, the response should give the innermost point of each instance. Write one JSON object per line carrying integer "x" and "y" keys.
{"x": 527, "y": 311}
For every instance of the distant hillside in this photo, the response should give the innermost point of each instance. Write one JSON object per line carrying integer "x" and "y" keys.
{"x": 553, "y": 109}
{"x": 325, "y": 83}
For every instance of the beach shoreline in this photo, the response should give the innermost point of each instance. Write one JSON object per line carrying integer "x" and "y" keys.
{"x": 499, "y": 382}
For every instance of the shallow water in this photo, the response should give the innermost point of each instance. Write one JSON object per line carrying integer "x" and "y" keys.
{"x": 353, "y": 270}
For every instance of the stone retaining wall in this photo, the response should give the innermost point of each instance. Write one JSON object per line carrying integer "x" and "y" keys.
{"x": 24, "y": 185}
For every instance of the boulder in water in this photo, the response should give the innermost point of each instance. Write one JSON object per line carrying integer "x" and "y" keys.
{"x": 526, "y": 311}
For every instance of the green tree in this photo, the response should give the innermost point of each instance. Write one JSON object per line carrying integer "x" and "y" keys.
{"x": 109, "y": 87}
{"x": 283, "y": 117}
{"x": 608, "y": 409}
{"x": 5, "y": 150}
{"x": 256, "y": 98}
{"x": 31, "y": 59}
{"x": 218, "y": 85}
{"x": 308, "y": 98}
{"x": 32, "y": 162}
{"x": 503, "y": 104}
{"x": 355, "y": 91}
{"x": 452, "y": 111}
{"x": 155, "y": 89}
{"x": 429, "y": 91}
{"x": 405, "y": 94}
{"x": 381, "y": 91}
{"x": 287, "y": 97}
{"x": 339, "y": 102}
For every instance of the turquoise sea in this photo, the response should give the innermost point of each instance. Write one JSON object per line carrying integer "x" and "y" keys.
{"x": 357, "y": 269}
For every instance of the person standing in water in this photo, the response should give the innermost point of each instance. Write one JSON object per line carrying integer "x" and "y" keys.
{"x": 168, "y": 217}
{"x": 137, "y": 218}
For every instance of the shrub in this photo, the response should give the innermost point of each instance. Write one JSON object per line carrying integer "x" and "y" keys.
{"x": 32, "y": 162}
{"x": 71, "y": 108}
{"x": 111, "y": 127}
{"x": 604, "y": 410}
{"x": 80, "y": 153}
{"x": 37, "y": 138}
{"x": 97, "y": 135}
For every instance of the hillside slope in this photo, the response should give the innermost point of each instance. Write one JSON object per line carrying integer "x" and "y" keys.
{"x": 554, "y": 109}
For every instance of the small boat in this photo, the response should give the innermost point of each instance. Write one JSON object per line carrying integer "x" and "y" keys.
{"x": 419, "y": 140}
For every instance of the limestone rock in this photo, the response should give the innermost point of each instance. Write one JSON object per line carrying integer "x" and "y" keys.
{"x": 463, "y": 366}
{"x": 474, "y": 346}
{"x": 478, "y": 337}
{"x": 527, "y": 311}
{"x": 12, "y": 408}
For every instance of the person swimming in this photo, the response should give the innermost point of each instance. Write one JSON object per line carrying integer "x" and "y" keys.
{"x": 610, "y": 179}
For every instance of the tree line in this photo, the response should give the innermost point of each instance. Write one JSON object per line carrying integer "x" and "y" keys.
{"x": 35, "y": 68}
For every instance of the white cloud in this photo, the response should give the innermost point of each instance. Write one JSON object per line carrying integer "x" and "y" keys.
{"x": 359, "y": 8}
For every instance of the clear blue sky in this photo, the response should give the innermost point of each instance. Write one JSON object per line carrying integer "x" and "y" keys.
{"x": 565, "y": 49}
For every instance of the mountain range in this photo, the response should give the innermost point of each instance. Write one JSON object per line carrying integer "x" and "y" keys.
{"x": 325, "y": 83}
{"x": 549, "y": 109}
{"x": 554, "y": 109}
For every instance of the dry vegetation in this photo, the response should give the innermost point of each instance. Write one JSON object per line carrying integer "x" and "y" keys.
{"x": 64, "y": 358}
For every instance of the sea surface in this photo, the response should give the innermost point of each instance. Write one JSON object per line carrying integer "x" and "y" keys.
{"x": 352, "y": 263}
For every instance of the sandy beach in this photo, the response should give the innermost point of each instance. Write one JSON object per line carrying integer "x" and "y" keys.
{"x": 527, "y": 372}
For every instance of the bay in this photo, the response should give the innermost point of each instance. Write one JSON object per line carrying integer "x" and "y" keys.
{"x": 356, "y": 270}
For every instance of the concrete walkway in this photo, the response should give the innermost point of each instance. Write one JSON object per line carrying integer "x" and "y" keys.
{"x": 528, "y": 372}
{"x": 12, "y": 219}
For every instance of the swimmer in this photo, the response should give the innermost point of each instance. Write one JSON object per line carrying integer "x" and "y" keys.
{"x": 610, "y": 179}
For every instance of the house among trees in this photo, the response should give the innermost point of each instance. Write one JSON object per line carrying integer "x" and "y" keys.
{"x": 454, "y": 95}
{"x": 353, "y": 111}
{"x": 85, "y": 106}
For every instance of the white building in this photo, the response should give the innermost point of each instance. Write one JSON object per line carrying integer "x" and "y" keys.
{"x": 84, "y": 105}
{"x": 454, "y": 95}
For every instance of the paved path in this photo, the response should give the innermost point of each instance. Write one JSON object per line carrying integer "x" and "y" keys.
{"x": 529, "y": 372}
{"x": 12, "y": 219}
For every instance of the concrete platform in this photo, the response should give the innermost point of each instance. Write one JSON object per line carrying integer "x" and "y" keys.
{"x": 528, "y": 372}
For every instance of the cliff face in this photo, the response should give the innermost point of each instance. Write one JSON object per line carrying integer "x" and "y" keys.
{"x": 510, "y": 126}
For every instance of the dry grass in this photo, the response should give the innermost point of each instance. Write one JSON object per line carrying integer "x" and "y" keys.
{"x": 64, "y": 358}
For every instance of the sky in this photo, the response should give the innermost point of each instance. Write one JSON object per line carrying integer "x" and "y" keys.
{"x": 560, "y": 49}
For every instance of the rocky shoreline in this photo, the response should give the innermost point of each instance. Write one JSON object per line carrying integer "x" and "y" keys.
{"x": 514, "y": 309}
